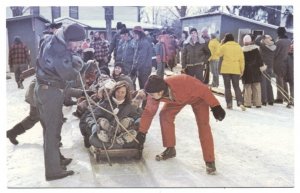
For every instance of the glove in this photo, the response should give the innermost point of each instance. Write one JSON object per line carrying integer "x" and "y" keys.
{"x": 218, "y": 112}
{"x": 263, "y": 68}
{"x": 183, "y": 71}
{"x": 88, "y": 92}
{"x": 141, "y": 137}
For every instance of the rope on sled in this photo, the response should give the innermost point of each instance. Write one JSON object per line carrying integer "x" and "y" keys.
{"x": 90, "y": 100}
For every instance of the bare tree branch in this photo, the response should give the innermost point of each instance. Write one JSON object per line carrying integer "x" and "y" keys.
{"x": 173, "y": 11}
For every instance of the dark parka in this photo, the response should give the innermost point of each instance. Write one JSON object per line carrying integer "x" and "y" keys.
{"x": 267, "y": 52}
{"x": 253, "y": 61}
{"x": 195, "y": 53}
{"x": 125, "y": 110}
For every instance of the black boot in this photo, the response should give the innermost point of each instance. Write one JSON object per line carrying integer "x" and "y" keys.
{"x": 168, "y": 153}
{"x": 20, "y": 84}
{"x": 86, "y": 142}
{"x": 14, "y": 132}
{"x": 64, "y": 161}
{"x": 60, "y": 176}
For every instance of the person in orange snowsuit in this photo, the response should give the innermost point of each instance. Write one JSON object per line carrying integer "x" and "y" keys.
{"x": 178, "y": 91}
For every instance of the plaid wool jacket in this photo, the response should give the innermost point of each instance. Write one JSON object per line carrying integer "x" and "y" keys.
{"x": 19, "y": 54}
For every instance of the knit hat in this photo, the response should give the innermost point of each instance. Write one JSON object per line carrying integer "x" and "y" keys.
{"x": 74, "y": 32}
{"x": 155, "y": 84}
{"x": 119, "y": 25}
{"x": 247, "y": 39}
{"x": 281, "y": 31}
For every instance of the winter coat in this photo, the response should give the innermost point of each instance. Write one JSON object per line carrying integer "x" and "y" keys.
{"x": 253, "y": 61}
{"x": 184, "y": 90}
{"x": 233, "y": 58}
{"x": 214, "y": 47}
{"x": 142, "y": 54}
{"x": 125, "y": 110}
{"x": 281, "y": 53}
{"x": 195, "y": 53}
{"x": 125, "y": 53}
{"x": 101, "y": 48}
{"x": 55, "y": 61}
{"x": 114, "y": 44}
{"x": 267, "y": 52}
{"x": 290, "y": 68}
{"x": 160, "y": 51}
{"x": 18, "y": 54}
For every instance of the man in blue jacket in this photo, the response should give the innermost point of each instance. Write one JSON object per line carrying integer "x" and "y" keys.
{"x": 57, "y": 65}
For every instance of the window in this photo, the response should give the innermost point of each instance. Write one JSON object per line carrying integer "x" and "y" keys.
{"x": 73, "y": 12}
{"x": 241, "y": 34}
{"x": 257, "y": 32}
{"x": 55, "y": 12}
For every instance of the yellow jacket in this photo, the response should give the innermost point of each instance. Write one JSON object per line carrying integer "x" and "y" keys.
{"x": 214, "y": 47}
{"x": 233, "y": 58}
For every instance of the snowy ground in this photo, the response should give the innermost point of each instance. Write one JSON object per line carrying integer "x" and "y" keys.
{"x": 254, "y": 148}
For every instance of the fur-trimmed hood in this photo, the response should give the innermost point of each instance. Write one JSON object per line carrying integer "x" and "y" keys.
{"x": 249, "y": 48}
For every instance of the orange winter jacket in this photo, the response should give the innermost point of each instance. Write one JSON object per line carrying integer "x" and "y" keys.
{"x": 184, "y": 90}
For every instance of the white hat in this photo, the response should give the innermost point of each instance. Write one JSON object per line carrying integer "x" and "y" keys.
{"x": 247, "y": 39}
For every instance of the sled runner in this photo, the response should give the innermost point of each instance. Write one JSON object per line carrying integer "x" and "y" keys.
{"x": 100, "y": 154}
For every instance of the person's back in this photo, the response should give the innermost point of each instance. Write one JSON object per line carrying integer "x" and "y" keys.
{"x": 281, "y": 54}
{"x": 19, "y": 54}
{"x": 233, "y": 58}
{"x": 19, "y": 59}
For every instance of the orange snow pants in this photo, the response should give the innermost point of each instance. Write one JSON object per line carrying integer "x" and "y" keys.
{"x": 201, "y": 111}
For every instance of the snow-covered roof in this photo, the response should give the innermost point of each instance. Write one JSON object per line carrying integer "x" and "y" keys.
{"x": 237, "y": 17}
{"x": 17, "y": 18}
{"x": 98, "y": 23}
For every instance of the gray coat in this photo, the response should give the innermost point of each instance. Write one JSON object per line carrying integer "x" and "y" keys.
{"x": 267, "y": 52}
{"x": 281, "y": 54}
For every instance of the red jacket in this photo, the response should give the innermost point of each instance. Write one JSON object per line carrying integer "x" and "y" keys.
{"x": 185, "y": 90}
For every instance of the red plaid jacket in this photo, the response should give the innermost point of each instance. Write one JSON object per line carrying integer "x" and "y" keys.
{"x": 19, "y": 54}
{"x": 101, "y": 49}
